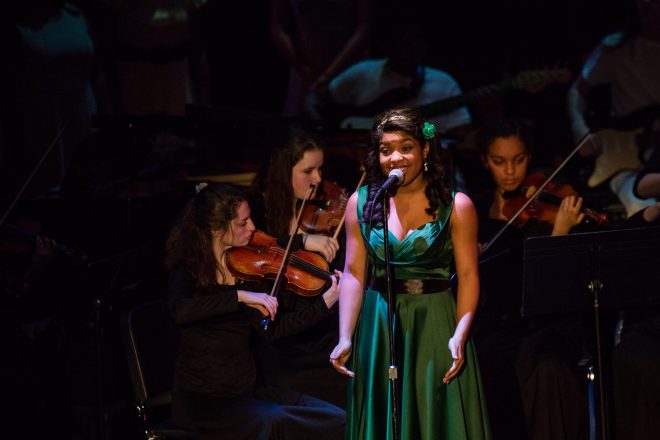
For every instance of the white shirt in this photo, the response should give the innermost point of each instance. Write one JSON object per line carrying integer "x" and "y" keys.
{"x": 633, "y": 70}
{"x": 368, "y": 80}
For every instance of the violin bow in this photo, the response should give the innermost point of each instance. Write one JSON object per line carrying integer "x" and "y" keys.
{"x": 31, "y": 176}
{"x": 489, "y": 243}
{"x": 287, "y": 253}
{"x": 343, "y": 217}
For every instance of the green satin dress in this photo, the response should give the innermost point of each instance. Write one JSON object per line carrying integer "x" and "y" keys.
{"x": 430, "y": 409}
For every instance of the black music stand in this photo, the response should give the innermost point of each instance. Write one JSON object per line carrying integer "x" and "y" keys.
{"x": 102, "y": 281}
{"x": 612, "y": 269}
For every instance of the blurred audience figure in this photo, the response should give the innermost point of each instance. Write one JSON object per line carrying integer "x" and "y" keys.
{"x": 159, "y": 58}
{"x": 318, "y": 39}
{"x": 238, "y": 76}
{"x": 628, "y": 63}
{"x": 357, "y": 94}
{"x": 46, "y": 87}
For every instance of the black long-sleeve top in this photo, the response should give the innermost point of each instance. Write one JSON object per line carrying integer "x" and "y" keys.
{"x": 216, "y": 353}
{"x": 258, "y": 216}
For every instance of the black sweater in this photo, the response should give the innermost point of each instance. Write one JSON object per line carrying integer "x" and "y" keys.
{"x": 217, "y": 333}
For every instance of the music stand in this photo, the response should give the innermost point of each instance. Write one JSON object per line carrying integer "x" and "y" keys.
{"x": 100, "y": 280}
{"x": 611, "y": 269}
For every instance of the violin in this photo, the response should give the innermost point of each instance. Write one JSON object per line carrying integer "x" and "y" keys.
{"x": 525, "y": 202}
{"x": 306, "y": 272}
{"x": 546, "y": 203}
{"x": 324, "y": 214}
{"x": 327, "y": 214}
{"x": 23, "y": 233}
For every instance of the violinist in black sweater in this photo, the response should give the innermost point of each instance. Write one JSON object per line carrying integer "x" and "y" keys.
{"x": 217, "y": 389}
{"x": 528, "y": 365}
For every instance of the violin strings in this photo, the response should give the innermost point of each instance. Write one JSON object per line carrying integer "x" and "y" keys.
{"x": 309, "y": 267}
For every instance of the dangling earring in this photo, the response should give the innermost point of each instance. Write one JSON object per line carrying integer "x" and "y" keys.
{"x": 426, "y": 166}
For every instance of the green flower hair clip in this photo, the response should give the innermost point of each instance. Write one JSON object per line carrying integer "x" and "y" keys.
{"x": 428, "y": 129}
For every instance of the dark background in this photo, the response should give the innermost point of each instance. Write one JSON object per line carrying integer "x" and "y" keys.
{"x": 123, "y": 192}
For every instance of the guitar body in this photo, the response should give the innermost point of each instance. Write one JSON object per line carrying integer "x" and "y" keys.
{"x": 623, "y": 141}
{"x": 620, "y": 152}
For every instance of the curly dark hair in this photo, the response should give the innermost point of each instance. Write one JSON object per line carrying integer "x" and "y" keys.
{"x": 273, "y": 180}
{"x": 437, "y": 177}
{"x": 190, "y": 242}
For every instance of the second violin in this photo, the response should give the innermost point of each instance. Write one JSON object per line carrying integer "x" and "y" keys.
{"x": 324, "y": 214}
{"x": 545, "y": 205}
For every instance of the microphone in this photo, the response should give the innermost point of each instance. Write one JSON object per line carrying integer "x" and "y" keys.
{"x": 395, "y": 178}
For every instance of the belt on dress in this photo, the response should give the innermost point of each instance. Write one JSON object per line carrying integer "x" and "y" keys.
{"x": 413, "y": 287}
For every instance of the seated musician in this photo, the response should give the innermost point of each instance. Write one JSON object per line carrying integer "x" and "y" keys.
{"x": 626, "y": 65}
{"x": 528, "y": 366}
{"x": 218, "y": 391}
{"x": 281, "y": 183}
{"x": 647, "y": 181}
{"x": 275, "y": 196}
{"x": 636, "y": 355}
{"x": 356, "y": 95}
{"x": 41, "y": 330}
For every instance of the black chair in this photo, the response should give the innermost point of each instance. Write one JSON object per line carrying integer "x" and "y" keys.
{"x": 149, "y": 337}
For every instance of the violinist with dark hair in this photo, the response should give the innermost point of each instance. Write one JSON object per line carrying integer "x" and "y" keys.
{"x": 218, "y": 391}
{"x": 276, "y": 196}
{"x": 28, "y": 290}
{"x": 504, "y": 148}
{"x": 40, "y": 303}
{"x": 530, "y": 363}
{"x": 282, "y": 182}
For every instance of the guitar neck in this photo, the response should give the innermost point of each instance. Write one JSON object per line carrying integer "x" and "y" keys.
{"x": 531, "y": 81}
{"x": 455, "y": 102}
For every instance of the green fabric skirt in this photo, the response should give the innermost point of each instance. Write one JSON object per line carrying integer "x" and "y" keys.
{"x": 430, "y": 409}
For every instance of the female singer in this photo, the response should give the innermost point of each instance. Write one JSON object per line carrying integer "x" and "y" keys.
{"x": 430, "y": 229}
{"x": 216, "y": 390}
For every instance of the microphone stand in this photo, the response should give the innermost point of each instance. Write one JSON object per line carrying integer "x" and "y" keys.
{"x": 391, "y": 321}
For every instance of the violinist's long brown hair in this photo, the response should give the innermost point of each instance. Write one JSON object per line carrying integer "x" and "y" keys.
{"x": 273, "y": 180}
{"x": 437, "y": 179}
{"x": 190, "y": 242}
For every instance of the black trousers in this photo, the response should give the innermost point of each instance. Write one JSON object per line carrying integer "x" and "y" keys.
{"x": 271, "y": 413}
{"x": 635, "y": 365}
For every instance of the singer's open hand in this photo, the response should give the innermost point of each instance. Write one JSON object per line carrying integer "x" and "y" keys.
{"x": 340, "y": 355}
{"x": 456, "y": 350}
{"x": 263, "y": 302}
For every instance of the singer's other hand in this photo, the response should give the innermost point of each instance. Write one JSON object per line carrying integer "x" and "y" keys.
{"x": 456, "y": 349}
{"x": 340, "y": 355}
